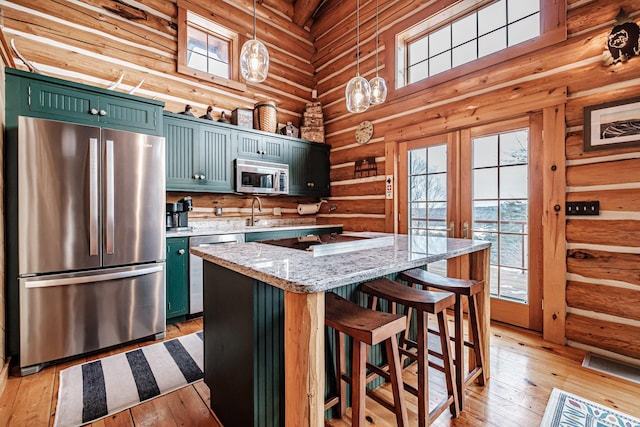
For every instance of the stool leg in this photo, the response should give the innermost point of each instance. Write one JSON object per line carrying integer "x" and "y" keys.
{"x": 475, "y": 334}
{"x": 397, "y": 385}
{"x": 340, "y": 384}
{"x": 423, "y": 370}
{"x": 358, "y": 383}
{"x": 459, "y": 349}
{"x": 447, "y": 361}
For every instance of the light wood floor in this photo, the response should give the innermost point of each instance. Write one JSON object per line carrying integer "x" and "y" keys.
{"x": 524, "y": 369}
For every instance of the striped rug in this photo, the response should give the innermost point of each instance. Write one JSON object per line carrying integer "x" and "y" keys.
{"x": 103, "y": 387}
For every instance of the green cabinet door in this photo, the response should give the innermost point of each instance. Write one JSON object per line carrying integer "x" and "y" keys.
{"x": 255, "y": 146}
{"x": 53, "y": 101}
{"x": 216, "y": 160}
{"x": 199, "y": 155}
{"x": 181, "y": 144}
{"x": 127, "y": 114}
{"x": 177, "y": 287}
{"x": 308, "y": 169}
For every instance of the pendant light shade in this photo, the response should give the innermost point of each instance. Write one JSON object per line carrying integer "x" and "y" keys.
{"x": 378, "y": 85}
{"x": 378, "y": 90}
{"x": 357, "y": 94}
{"x": 358, "y": 91}
{"x": 254, "y": 57}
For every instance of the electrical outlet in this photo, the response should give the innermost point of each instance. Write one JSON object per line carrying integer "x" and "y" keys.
{"x": 583, "y": 208}
{"x": 277, "y": 212}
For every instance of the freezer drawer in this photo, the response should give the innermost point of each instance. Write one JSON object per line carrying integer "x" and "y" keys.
{"x": 69, "y": 314}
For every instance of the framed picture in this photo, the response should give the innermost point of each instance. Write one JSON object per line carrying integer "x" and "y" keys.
{"x": 612, "y": 125}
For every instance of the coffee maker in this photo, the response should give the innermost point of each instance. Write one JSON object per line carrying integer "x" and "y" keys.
{"x": 178, "y": 214}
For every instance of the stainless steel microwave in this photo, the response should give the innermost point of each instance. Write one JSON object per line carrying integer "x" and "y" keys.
{"x": 259, "y": 177}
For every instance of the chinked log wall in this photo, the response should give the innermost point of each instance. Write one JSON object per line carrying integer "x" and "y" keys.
{"x": 87, "y": 42}
{"x": 603, "y": 258}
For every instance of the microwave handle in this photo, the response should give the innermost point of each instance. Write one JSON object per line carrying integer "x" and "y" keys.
{"x": 276, "y": 182}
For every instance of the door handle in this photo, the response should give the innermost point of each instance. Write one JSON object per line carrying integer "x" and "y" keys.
{"x": 465, "y": 230}
{"x": 451, "y": 229}
{"x": 93, "y": 196}
{"x": 110, "y": 214}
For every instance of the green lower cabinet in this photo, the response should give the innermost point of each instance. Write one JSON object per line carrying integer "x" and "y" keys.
{"x": 177, "y": 287}
{"x": 287, "y": 234}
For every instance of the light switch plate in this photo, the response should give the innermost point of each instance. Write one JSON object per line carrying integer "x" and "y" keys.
{"x": 389, "y": 186}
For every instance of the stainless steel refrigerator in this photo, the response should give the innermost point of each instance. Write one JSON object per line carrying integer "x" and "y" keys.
{"x": 91, "y": 242}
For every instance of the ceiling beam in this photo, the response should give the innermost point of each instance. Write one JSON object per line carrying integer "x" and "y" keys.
{"x": 303, "y": 10}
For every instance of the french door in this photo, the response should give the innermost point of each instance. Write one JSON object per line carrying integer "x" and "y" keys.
{"x": 480, "y": 183}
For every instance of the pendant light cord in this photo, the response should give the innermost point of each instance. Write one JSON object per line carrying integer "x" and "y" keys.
{"x": 357, "y": 37}
{"x": 376, "y": 38}
{"x": 254, "y": 19}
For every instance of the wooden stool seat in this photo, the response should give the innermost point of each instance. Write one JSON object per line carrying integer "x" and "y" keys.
{"x": 469, "y": 289}
{"x": 424, "y": 302}
{"x": 367, "y": 328}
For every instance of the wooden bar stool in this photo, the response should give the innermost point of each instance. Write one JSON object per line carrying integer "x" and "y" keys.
{"x": 469, "y": 289}
{"x": 367, "y": 328}
{"x": 424, "y": 302}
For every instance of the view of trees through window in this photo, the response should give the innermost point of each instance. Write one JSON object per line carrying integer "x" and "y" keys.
{"x": 428, "y": 199}
{"x": 500, "y": 209}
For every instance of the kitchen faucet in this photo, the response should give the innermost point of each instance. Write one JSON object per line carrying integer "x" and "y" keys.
{"x": 253, "y": 203}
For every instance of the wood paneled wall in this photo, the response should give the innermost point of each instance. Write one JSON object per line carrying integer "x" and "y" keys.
{"x": 603, "y": 257}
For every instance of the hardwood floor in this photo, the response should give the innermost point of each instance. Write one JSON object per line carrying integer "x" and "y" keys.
{"x": 523, "y": 372}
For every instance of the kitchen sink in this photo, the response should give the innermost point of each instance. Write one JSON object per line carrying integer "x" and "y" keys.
{"x": 333, "y": 243}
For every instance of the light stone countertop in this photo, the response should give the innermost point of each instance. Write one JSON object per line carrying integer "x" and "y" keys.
{"x": 299, "y": 271}
{"x": 239, "y": 227}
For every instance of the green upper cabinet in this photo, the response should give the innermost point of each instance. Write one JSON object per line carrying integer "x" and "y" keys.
{"x": 260, "y": 147}
{"x": 56, "y": 99}
{"x": 308, "y": 169}
{"x": 217, "y": 162}
{"x": 199, "y": 155}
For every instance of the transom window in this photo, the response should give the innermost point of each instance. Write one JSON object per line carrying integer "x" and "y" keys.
{"x": 431, "y": 48}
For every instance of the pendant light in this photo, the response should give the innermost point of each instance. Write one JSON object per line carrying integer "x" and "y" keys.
{"x": 378, "y": 85}
{"x": 358, "y": 90}
{"x": 254, "y": 57}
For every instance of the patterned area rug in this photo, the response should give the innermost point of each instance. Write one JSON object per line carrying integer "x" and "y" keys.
{"x": 568, "y": 410}
{"x": 99, "y": 388}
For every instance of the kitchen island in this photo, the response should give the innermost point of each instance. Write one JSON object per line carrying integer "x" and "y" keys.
{"x": 263, "y": 301}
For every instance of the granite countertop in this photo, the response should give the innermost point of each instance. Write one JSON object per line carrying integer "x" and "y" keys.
{"x": 208, "y": 228}
{"x": 299, "y": 271}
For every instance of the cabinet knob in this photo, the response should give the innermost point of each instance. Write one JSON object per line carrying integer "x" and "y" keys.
{"x": 261, "y": 152}
{"x": 310, "y": 184}
{"x": 102, "y": 113}
{"x": 202, "y": 177}
{"x": 181, "y": 252}
{"x": 196, "y": 176}
{"x": 93, "y": 111}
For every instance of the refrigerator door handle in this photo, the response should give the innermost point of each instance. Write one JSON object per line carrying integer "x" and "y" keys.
{"x": 93, "y": 196}
{"x": 110, "y": 218}
{"x": 44, "y": 283}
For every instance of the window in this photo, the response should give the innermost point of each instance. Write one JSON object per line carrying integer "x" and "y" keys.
{"x": 206, "y": 49}
{"x": 500, "y": 206}
{"x": 469, "y": 31}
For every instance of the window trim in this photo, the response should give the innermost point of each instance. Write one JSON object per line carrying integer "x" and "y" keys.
{"x": 234, "y": 54}
{"x": 553, "y": 17}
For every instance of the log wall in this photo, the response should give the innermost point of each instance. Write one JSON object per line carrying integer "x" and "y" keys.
{"x": 601, "y": 283}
